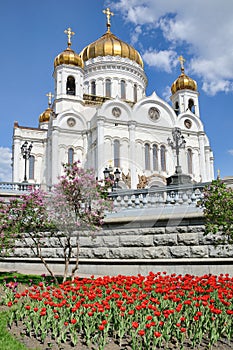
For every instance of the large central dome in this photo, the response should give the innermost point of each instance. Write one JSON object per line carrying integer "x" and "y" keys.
{"x": 109, "y": 45}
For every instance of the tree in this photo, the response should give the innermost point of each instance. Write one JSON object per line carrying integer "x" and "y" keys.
{"x": 27, "y": 219}
{"x": 77, "y": 203}
{"x": 7, "y": 236}
{"x": 218, "y": 210}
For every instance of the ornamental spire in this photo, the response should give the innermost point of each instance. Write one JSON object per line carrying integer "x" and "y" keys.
{"x": 108, "y": 14}
{"x": 182, "y": 60}
{"x": 69, "y": 33}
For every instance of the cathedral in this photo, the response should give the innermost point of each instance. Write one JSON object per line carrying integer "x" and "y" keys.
{"x": 99, "y": 114}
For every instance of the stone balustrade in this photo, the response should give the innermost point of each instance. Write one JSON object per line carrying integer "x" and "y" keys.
{"x": 185, "y": 195}
{"x": 15, "y": 189}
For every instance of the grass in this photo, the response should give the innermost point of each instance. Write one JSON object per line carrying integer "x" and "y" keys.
{"x": 7, "y": 341}
{"x": 23, "y": 279}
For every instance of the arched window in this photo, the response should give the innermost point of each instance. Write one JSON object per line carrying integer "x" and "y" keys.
{"x": 147, "y": 156}
{"x": 191, "y": 106}
{"x": 31, "y": 168}
{"x": 155, "y": 157}
{"x": 177, "y": 108}
{"x": 116, "y": 152}
{"x": 135, "y": 92}
{"x": 70, "y": 155}
{"x": 108, "y": 87}
{"x": 190, "y": 161}
{"x": 70, "y": 86}
{"x": 123, "y": 92}
{"x": 163, "y": 158}
{"x": 93, "y": 88}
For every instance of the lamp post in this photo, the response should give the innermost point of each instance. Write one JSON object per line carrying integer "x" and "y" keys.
{"x": 114, "y": 177}
{"x": 26, "y": 153}
{"x": 177, "y": 143}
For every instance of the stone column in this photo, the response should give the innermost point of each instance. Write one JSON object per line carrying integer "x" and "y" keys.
{"x": 99, "y": 87}
{"x": 201, "y": 136}
{"x": 115, "y": 88}
{"x": 207, "y": 159}
{"x": 16, "y": 163}
{"x": 132, "y": 155}
{"x": 100, "y": 147}
{"x": 55, "y": 158}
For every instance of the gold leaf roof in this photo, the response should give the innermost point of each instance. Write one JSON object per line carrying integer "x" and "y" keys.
{"x": 69, "y": 57}
{"x": 45, "y": 116}
{"x": 183, "y": 82}
{"x": 109, "y": 45}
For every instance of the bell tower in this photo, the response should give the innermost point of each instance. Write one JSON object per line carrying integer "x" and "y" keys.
{"x": 184, "y": 93}
{"x": 68, "y": 73}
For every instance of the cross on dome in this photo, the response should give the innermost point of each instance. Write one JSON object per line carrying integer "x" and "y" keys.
{"x": 182, "y": 60}
{"x": 50, "y": 96}
{"x": 69, "y": 33}
{"x": 108, "y": 14}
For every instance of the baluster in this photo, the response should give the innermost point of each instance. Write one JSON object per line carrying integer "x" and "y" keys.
{"x": 169, "y": 199}
{"x": 137, "y": 202}
{"x": 126, "y": 199}
{"x": 130, "y": 203}
{"x": 144, "y": 201}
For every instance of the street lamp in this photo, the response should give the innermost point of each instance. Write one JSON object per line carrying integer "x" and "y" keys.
{"x": 26, "y": 153}
{"x": 178, "y": 143}
{"x": 114, "y": 177}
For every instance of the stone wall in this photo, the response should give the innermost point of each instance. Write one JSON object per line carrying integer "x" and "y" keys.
{"x": 151, "y": 245}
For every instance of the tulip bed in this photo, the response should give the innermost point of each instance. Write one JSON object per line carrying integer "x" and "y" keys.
{"x": 145, "y": 312}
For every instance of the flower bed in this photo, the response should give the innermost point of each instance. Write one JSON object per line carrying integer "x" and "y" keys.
{"x": 144, "y": 312}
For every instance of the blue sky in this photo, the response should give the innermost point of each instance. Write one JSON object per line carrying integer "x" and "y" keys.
{"x": 32, "y": 34}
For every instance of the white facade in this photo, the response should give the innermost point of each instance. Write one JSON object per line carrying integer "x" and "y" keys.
{"x": 108, "y": 119}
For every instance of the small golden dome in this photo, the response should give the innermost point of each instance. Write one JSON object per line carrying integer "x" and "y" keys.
{"x": 45, "y": 116}
{"x": 68, "y": 56}
{"x": 109, "y": 45}
{"x": 183, "y": 81}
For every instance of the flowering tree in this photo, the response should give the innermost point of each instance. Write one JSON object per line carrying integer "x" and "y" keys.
{"x": 218, "y": 209}
{"x": 78, "y": 203}
{"x": 7, "y": 236}
{"x": 25, "y": 218}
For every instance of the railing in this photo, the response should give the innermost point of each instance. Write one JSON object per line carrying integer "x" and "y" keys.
{"x": 157, "y": 197}
{"x": 185, "y": 195}
{"x": 6, "y": 187}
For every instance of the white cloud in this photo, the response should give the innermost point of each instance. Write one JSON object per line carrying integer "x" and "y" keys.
{"x": 167, "y": 93}
{"x": 5, "y": 164}
{"x": 163, "y": 60}
{"x": 230, "y": 151}
{"x": 135, "y": 35}
{"x": 205, "y": 27}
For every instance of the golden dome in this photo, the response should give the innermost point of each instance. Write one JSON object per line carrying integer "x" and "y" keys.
{"x": 45, "y": 116}
{"x": 109, "y": 45}
{"x": 183, "y": 81}
{"x": 68, "y": 56}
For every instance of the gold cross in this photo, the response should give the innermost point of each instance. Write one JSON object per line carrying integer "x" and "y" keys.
{"x": 50, "y": 96}
{"x": 69, "y": 34}
{"x": 108, "y": 14}
{"x": 182, "y": 60}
